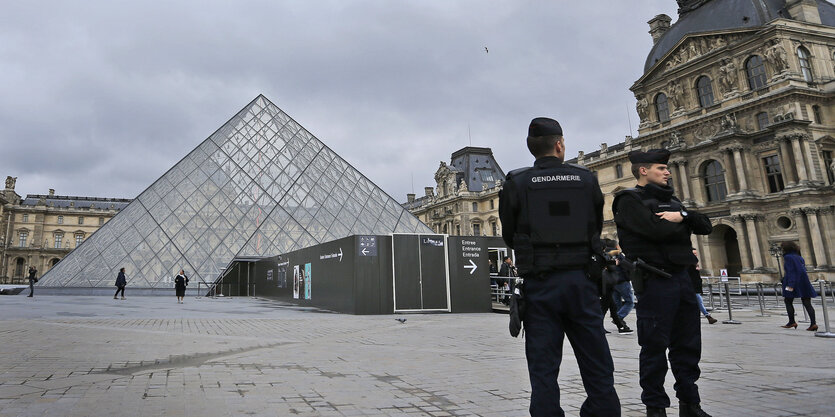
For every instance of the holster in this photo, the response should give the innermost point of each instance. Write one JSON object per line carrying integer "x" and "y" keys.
{"x": 517, "y": 309}
{"x": 638, "y": 277}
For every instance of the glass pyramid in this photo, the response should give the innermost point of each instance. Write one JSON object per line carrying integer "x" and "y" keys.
{"x": 261, "y": 185}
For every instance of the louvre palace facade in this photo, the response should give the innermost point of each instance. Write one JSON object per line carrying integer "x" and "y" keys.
{"x": 41, "y": 229}
{"x": 741, "y": 92}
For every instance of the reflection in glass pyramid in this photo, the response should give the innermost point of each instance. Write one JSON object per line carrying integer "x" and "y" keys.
{"x": 261, "y": 185}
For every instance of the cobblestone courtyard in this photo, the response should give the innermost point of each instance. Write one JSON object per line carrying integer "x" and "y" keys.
{"x": 148, "y": 356}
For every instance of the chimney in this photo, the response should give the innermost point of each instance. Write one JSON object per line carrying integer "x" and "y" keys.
{"x": 410, "y": 198}
{"x": 658, "y": 26}
{"x": 804, "y": 10}
{"x": 429, "y": 191}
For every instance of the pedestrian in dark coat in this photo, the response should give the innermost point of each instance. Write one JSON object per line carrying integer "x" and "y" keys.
{"x": 121, "y": 283}
{"x": 32, "y": 280}
{"x": 796, "y": 285}
{"x": 180, "y": 283}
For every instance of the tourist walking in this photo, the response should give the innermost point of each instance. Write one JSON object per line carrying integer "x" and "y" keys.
{"x": 696, "y": 277}
{"x": 32, "y": 280}
{"x": 796, "y": 285}
{"x": 180, "y": 283}
{"x": 121, "y": 282}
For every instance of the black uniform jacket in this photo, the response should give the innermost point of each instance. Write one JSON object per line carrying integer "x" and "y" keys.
{"x": 509, "y": 200}
{"x": 642, "y": 234}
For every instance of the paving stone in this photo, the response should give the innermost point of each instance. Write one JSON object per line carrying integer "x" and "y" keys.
{"x": 258, "y": 357}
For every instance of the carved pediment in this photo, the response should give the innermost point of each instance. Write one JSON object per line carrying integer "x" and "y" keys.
{"x": 692, "y": 47}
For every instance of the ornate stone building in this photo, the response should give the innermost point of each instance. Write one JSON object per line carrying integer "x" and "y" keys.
{"x": 741, "y": 92}
{"x": 467, "y": 199}
{"x": 40, "y": 230}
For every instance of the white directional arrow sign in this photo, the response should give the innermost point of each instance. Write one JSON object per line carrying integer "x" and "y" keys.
{"x": 472, "y": 266}
{"x": 340, "y": 254}
{"x": 364, "y": 251}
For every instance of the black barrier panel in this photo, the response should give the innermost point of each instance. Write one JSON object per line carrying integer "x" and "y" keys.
{"x": 407, "y": 294}
{"x": 469, "y": 272}
{"x": 433, "y": 272}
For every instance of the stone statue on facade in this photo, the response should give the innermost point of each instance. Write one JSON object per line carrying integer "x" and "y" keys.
{"x": 642, "y": 106}
{"x": 676, "y": 96}
{"x": 675, "y": 139}
{"x": 728, "y": 122}
{"x": 776, "y": 56}
{"x": 10, "y": 182}
{"x": 727, "y": 76}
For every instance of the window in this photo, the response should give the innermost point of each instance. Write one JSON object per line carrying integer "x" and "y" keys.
{"x": 80, "y": 219}
{"x": 25, "y": 218}
{"x": 816, "y": 112}
{"x": 830, "y": 169}
{"x": 60, "y": 219}
{"x": 756, "y": 73}
{"x": 495, "y": 228}
{"x": 475, "y": 207}
{"x": 58, "y": 237}
{"x": 773, "y": 173}
{"x": 492, "y": 204}
{"x": 78, "y": 238}
{"x": 23, "y": 235}
{"x": 101, "y": 221}
{"x": 486, "y": 175}
{"x": 476, "y": 229}
{"x": 662, "y": 109}
{"x": 715, "y": 182}
{"x": 705, "y": 91}
{"x": 618, "y": 171}
{"x": 762, "y": 120}
{"x": 805, "y": 65}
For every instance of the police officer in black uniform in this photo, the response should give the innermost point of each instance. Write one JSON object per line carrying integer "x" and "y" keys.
{"x": 654, "y": 225}
{"x": 552, "y": 215}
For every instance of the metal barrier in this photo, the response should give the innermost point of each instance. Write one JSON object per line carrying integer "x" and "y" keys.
{"x": 730, "y": 319}
{"x": 761, "y": 299}
{"x": 826, "y": 332}
{"x": 498, "y": 292}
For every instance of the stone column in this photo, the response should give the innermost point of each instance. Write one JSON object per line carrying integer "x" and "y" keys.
{"x": 730, "y": 176}
{"x": 740, "y": 169}
{"x": 744, "y": 254}
{"x": 828, "y": 229}
{"x": 800, "y": 165}
{"x": 817, "y": 237}
{"x": 756, "y": 250}
{"x": 705, "y": 258}
{"x": 808, "y": 147}
{"x": 788, "y": 168}
{"x": 685, "y": 186}
{"x": 802, "y": 231}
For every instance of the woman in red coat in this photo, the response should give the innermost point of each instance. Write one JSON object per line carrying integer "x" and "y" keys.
{"x": 796, "y": 285}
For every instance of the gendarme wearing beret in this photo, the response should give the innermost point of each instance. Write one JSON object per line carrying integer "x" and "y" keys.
{"x": 652, "y": 156}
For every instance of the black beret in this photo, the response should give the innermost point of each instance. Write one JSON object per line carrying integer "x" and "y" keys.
{"x": 652, "y": 156}
{"x": 543, "y": 126}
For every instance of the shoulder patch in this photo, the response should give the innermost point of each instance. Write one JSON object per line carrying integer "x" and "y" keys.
{"x": 578, "y": 167}
{"x": 516, "y": 172}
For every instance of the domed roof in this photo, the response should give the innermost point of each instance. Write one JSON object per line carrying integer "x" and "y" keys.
{"x": 713, "y": 15}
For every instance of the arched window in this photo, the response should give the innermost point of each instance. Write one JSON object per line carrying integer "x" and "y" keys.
{"x": 762, "y": 120}
{"x": 18, "y": 269}
{"x": 662, "y": 109}
{"x": 756, "y": 72}
{"x": 714, "y": 182}
{"x": 53, "y": 262}
{"x": 705, "y": 91}
{"x": 805, "y": 64}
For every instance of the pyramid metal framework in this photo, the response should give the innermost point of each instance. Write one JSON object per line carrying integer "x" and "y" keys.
{"x": 261, "y": 185}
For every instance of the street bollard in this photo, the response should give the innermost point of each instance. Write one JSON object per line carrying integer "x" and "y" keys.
{"x": 761, "y": 299}
{"x": 721, "y": 300}
{"x": 730, "y": 319}
{"x": 747, "y": 297}
{"x": 826, "y": 333}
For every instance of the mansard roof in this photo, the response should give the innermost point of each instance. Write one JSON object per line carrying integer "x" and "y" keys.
{"x": 718, "y": 15}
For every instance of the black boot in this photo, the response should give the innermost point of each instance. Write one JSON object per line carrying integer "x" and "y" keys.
{"x": 691, "y": 410}
{"x": 656, "y": 412}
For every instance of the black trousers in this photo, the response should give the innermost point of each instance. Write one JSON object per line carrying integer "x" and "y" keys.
{"x": 31, "y": 287}
{"x": 807, "y": 304}
{"x": 118, "y": 289}
{"x": 668, "y": 318}
{"x": 560, "y": 304}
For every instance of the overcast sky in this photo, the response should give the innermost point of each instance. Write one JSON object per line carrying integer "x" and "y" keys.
{"x": 100, "y": 98}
